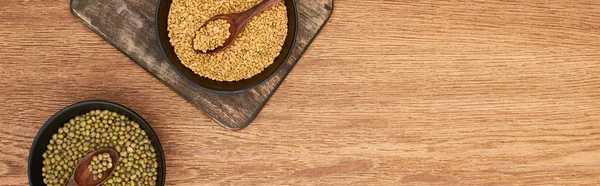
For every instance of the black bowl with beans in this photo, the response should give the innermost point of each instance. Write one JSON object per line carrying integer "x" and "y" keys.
{"x": 41, "y": 141}
{"x": 162, "y": 13}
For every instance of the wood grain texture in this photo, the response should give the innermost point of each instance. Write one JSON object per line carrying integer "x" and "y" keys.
{"x": 129, "y": 25}
{"x": 390, "y": 93}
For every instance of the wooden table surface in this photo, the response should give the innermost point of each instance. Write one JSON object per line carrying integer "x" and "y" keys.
{"x": 391, "y": 92}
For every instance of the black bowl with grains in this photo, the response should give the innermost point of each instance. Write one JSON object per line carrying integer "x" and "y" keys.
{"x": 254, "y": 57}
{"x": 87, "y": 126}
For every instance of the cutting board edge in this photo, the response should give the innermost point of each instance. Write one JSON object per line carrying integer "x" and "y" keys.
{"x": 256, "y": 111}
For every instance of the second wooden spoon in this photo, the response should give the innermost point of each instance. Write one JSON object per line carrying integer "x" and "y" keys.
{"x": 83, "y": 177}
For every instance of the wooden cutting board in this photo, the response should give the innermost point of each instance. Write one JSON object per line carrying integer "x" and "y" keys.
{"x": 129, "y": 26}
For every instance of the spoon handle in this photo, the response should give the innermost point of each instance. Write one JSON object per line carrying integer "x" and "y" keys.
{"x": 248, "y": 14}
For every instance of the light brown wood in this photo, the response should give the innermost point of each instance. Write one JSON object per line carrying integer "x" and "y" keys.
{"x": 390, "y": 92}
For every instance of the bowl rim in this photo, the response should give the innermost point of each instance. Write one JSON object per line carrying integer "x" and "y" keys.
{"x": 162, "y": 49}
{"x": 47, "y": 124}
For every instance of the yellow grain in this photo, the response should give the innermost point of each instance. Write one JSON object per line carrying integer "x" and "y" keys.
{"x": 255, "y": 48}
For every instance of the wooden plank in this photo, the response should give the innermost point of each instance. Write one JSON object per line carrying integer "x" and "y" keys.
{"x": 129, "y": 26}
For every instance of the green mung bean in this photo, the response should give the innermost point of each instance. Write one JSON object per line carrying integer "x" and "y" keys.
{"x": 94, "y": 130}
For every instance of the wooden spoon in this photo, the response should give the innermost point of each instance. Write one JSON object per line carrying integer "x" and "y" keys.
{"x": 83, "y": 177}
{"x": 237, "y": 23}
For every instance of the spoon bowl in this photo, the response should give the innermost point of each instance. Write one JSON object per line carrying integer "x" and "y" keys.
{"x": 233, "y": 30}
{"x": 82, "y": 175}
